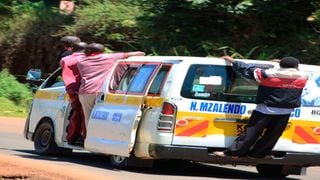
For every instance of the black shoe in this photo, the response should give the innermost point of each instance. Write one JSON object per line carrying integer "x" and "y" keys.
{"x": 259, "y": 157}
{"x": 77, "y": 142}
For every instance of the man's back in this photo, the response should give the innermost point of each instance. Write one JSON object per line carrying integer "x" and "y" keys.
{"x": 94, "y": 69}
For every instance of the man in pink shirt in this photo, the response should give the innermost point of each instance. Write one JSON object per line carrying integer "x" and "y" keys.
{"x": 76, "y": 130}
{"x": 94, "y": 69}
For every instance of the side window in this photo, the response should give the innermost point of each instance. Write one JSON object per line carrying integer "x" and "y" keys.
{"x": 216, "y": 82}
{"x": 54, "y": 80}
{"x": 140, "y": 80}
{"x": 126, "y": 80}
{"x": 118, "y": 74}
{"x": 158, "y": 81}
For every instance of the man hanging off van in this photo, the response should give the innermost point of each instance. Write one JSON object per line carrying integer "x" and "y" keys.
{"x": 279, "y": 92}
{"x": 76, "y": 129}
{"x": 94, "y": 68}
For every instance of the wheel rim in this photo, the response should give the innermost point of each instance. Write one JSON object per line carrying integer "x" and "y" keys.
{"x": 118, "y": 159}
{"x": 45, "y": 138}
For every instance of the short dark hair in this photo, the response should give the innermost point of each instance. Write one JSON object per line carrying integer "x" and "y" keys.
{"x": 79, "y": 46}
{"x": 93, "y": 48}
{"x": 289, "y": 62}
{"x": 69, "y": 41}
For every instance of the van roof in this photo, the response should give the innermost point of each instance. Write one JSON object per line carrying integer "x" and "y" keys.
{"x": 206, "y": 60}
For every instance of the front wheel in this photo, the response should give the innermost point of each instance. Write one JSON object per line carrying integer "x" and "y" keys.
{"x": 269, "y": 170}
{"x": 44, "y": 141}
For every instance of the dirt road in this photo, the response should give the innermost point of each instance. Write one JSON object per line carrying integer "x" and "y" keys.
{"x": 18, "y": 161}
{"x": 14, "y": 167}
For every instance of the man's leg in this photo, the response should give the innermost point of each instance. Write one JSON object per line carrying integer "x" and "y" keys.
{"x": 74, "y": 129}
{"x": 87, "y": 102}
{"x": 277, "y": 125}
{"x": 257, "y": 123}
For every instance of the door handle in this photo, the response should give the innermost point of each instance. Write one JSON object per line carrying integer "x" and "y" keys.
{"x": 100, "y": 97}
{"x": 146, "y": 106}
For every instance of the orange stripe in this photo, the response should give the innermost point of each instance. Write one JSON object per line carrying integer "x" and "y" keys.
{"x": 297, "y": 139}
{"x": 307, "y": 137}
{"x": 194, "y": 129}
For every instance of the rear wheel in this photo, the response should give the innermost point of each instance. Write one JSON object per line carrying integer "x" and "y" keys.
{"x": 118, "y": 161}
{"x": 44, "y": 141}
{"x": 269, "y": 170}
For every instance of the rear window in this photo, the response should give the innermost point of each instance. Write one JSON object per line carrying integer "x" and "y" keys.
{"x": 310, "y": 96}
{"x": 219, "y": 83}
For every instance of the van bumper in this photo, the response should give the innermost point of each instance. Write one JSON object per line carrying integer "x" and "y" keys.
{"x": 204, "y": 154}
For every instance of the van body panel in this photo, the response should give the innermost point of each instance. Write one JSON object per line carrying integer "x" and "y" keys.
{"x": 210, "y": 103}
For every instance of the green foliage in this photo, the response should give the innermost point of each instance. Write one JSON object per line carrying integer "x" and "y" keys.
{"x": 9, "y": 108}
{"x": 107, "y": 22}
{"x": 11, "y": 89}
{"x": 30, "y": 29}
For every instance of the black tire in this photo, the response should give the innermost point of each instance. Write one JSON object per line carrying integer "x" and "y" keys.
{"x": 118, "y": 161}
{"x": 44, "y": 141}
{"x": 270, "y": 170}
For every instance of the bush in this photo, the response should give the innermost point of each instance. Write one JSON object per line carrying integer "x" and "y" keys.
{"x": 11, "y": 89}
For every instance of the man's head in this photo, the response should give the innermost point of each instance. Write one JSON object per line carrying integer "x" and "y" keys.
{"x": 79, "y": 46}
{"x": 69, "y": 41}
{"x": 289, "y": 62}
{"x": 93, "y": 48}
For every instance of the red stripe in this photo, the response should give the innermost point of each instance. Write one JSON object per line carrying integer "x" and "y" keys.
{"x": 291, "y": 83}
{"x": 194, "y": 129}
{"x": 305, "y": 136}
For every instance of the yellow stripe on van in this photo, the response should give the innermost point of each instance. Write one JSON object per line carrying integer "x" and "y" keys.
{"x": 134, "y": 100}
{"x": 115, "y": 98}
{"x": 50, "y": 95}
{"x": 155, "y": 101}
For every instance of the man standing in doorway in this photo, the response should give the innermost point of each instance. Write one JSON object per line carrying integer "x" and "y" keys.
{"x": 76, "y": 130}
{"x": 279, "y": 92}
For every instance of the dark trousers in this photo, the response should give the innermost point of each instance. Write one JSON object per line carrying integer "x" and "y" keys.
{"x": 252, "y": 142}
{"x": 76, "y": 127}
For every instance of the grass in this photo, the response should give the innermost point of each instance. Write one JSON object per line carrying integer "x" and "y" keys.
{"x": 9, "y": 108}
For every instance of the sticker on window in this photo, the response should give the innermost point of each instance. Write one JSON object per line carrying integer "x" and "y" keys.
{"x": 198, "y": 88}
{"x": 211, "y": 80}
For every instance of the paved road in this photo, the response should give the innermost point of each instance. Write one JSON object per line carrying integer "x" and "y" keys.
{"x": 12, "y": 143}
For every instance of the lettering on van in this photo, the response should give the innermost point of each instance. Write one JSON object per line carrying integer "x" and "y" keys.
{"x": 101, "y": 115}
{"x": 296, "y": 113}
{"x": 116, "y": 117}
{"x": 315, "y": 112}
{"x": 218, "y": 107}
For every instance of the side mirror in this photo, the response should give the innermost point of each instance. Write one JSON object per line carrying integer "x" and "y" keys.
{"x": 34, "y": 75}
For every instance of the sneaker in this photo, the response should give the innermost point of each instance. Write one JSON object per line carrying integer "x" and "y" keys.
{"x": 224, "y": 154}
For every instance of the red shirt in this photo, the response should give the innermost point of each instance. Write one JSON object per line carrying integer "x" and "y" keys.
{"x": 70, "y": 72}
{"x": 94, "y": 69}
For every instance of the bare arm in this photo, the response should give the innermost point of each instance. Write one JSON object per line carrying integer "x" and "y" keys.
{"x": 134, "y": 53}
{"x": 228, "y": 58}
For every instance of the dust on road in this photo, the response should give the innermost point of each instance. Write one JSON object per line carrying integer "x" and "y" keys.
{"x": 16, "y": 167}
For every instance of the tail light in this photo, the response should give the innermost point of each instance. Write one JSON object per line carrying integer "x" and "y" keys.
{"x": 167, "y": 117}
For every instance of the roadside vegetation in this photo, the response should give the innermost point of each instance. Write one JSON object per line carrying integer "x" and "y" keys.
{"x": 30, "y": 30}
{"x": 15, "y": 97}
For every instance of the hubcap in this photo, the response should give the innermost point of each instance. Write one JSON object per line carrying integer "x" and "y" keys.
{"x": 118, "y": 159}
{"x": 45, "y": 137}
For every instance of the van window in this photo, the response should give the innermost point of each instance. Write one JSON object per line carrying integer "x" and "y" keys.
{"x": 55, "y": 80}
{"x": 141, "y": 79}
{"x": 220, "y": 83}
{"x": 126, "y": 80}
{"x": 158, "y": 81}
